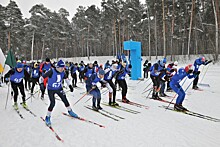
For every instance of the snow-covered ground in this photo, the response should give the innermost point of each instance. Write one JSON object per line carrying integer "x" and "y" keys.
{"x": 153, "y": 127}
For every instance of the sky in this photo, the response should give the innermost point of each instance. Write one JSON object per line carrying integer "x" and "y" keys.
{"x": 54, "y": 5}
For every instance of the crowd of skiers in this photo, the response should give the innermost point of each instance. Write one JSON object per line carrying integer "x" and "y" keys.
{"x": 50, "y": 76}
{"x": 160, "y": 74}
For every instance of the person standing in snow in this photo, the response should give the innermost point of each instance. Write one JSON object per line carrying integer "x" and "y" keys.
{"x": 175, "y": 85}
{"x": 120, "y": 77}
{"x": 91, "y": 87}
{"x": 35, "y": 75}
{"x": 109, "y": 74}
{"x": 44, "y": 67}
{"x": 73, "y": 70}
{"x": 172, "y": 69}
{"x": 55, "y": 77}
{"x": 197, "y": 63}
{"x": 155, "y": 72}
{"x": 16, "y": 78}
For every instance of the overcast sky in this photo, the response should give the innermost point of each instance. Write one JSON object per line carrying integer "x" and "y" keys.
{"x": 54, "y": 5}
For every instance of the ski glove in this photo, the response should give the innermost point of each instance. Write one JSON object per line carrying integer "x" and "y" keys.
{"x": 196, "y": 73}
{"x": 71, "y": 88}
{"x": 207, "y": 62}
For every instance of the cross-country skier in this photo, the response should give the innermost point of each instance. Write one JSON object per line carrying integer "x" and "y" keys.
{"x": 175, "y": 85}
{"x": 16, "y": 78}
{"x": 197, "y": 63}
{"x": 35, "y": 75}
{"x": 155, "y": 72}
{"x": 73, "y": 70}
{"x": 109, "y": 74}
{"x": 172, "y": 70}
{"x": 122, "y": 82}
{"x": 91, "y": 87}
{"x": 44, "y": 67}
{"x": 55, "y": 77}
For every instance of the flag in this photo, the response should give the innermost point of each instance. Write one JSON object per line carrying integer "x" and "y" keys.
{"x": 1, "y": 68}
{"x": 10, "y": 60}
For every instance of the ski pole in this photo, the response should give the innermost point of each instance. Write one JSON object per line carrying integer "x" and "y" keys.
{"x": 7, "y": 95}
{"x": 204, "y": 74}
{"x": 88, "y": 99}
{"x": 147, "y": 86}
{"x": 83, "y": 96}
{"x": 149, "y": 92}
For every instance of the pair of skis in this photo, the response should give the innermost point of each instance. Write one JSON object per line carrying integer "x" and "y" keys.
{"x": 134, "y": 104}
{"x": 27, "y": 109}
{"x": 105, "y": 113}
{"x": 192, "y": 113}
{"x": 122, "y": 108}
{"x": 79, "y": 118}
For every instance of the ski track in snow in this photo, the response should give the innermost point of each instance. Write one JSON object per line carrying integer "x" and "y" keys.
{"x": 154, "y": 127}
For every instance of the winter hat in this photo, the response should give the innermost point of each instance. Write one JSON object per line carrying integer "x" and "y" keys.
{"x": 60, "y": 63}
{"x": 129, "y": 66}
{"x": 35, "y": 65}
{"x": 47, "y": 59}
{"x": 202, "y": 59}
{"x": 175, "y": 63}
{"x": 19, "y": 65}
{"x": 101, "y": 72}
{"x": 95, "y": 62}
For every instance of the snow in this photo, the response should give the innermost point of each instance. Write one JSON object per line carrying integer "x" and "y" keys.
{"x": 154, "y": 127}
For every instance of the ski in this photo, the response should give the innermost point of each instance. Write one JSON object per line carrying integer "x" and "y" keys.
{"x": 205, "y": 85}
{"x": 102, "y": 113}
{"x": 19, "y": 113}
{"x": 51, "y": 128}
{"x": 112, "y": 114}
{"x": 191, "y": 113}
{"x": 135, "y": 104}
{"x": 85, "y": 120}
{"x": 27, "y": 109}
{"x": 162, "y": 100}
{"x": 122, "y": 108}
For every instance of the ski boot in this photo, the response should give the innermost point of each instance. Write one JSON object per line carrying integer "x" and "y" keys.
{"x": 125, "y": 100}
{"x": 195, "y": 87}
{"x": 116, "y": 104}
{"x": 179, "y": 107}
{"x": 24, "y": 105}
{"x": 98, "y": 104}
{"x": 47, "y": 121}
{"x": 71, "y": 113}
{"x": 15, "y": 106}
{"x": 42, "y": 97}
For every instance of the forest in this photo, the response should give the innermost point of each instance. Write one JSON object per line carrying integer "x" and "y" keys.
{"x": 164, "y": 27}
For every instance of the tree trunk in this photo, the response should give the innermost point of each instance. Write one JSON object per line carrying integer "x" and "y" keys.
{"x": 42, "y": 53}
{"x": 190, "y": 27}
{"x": 155, "y": 31}
{"x": 172, "y": 30}
{"x": 216, "y": 30}
{"x": 149, "y": 40}
{"x": 164, "y": 28}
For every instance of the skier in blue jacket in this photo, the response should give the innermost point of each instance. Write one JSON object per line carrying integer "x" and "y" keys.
{"x": 197, "y": 63}
{"x": 175, "y": 85}
{"x": 55, "y": 77}
{"x": 16, "y": 78}
{"x": 109, "y": 74}
{"x": 91, "y": 87}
